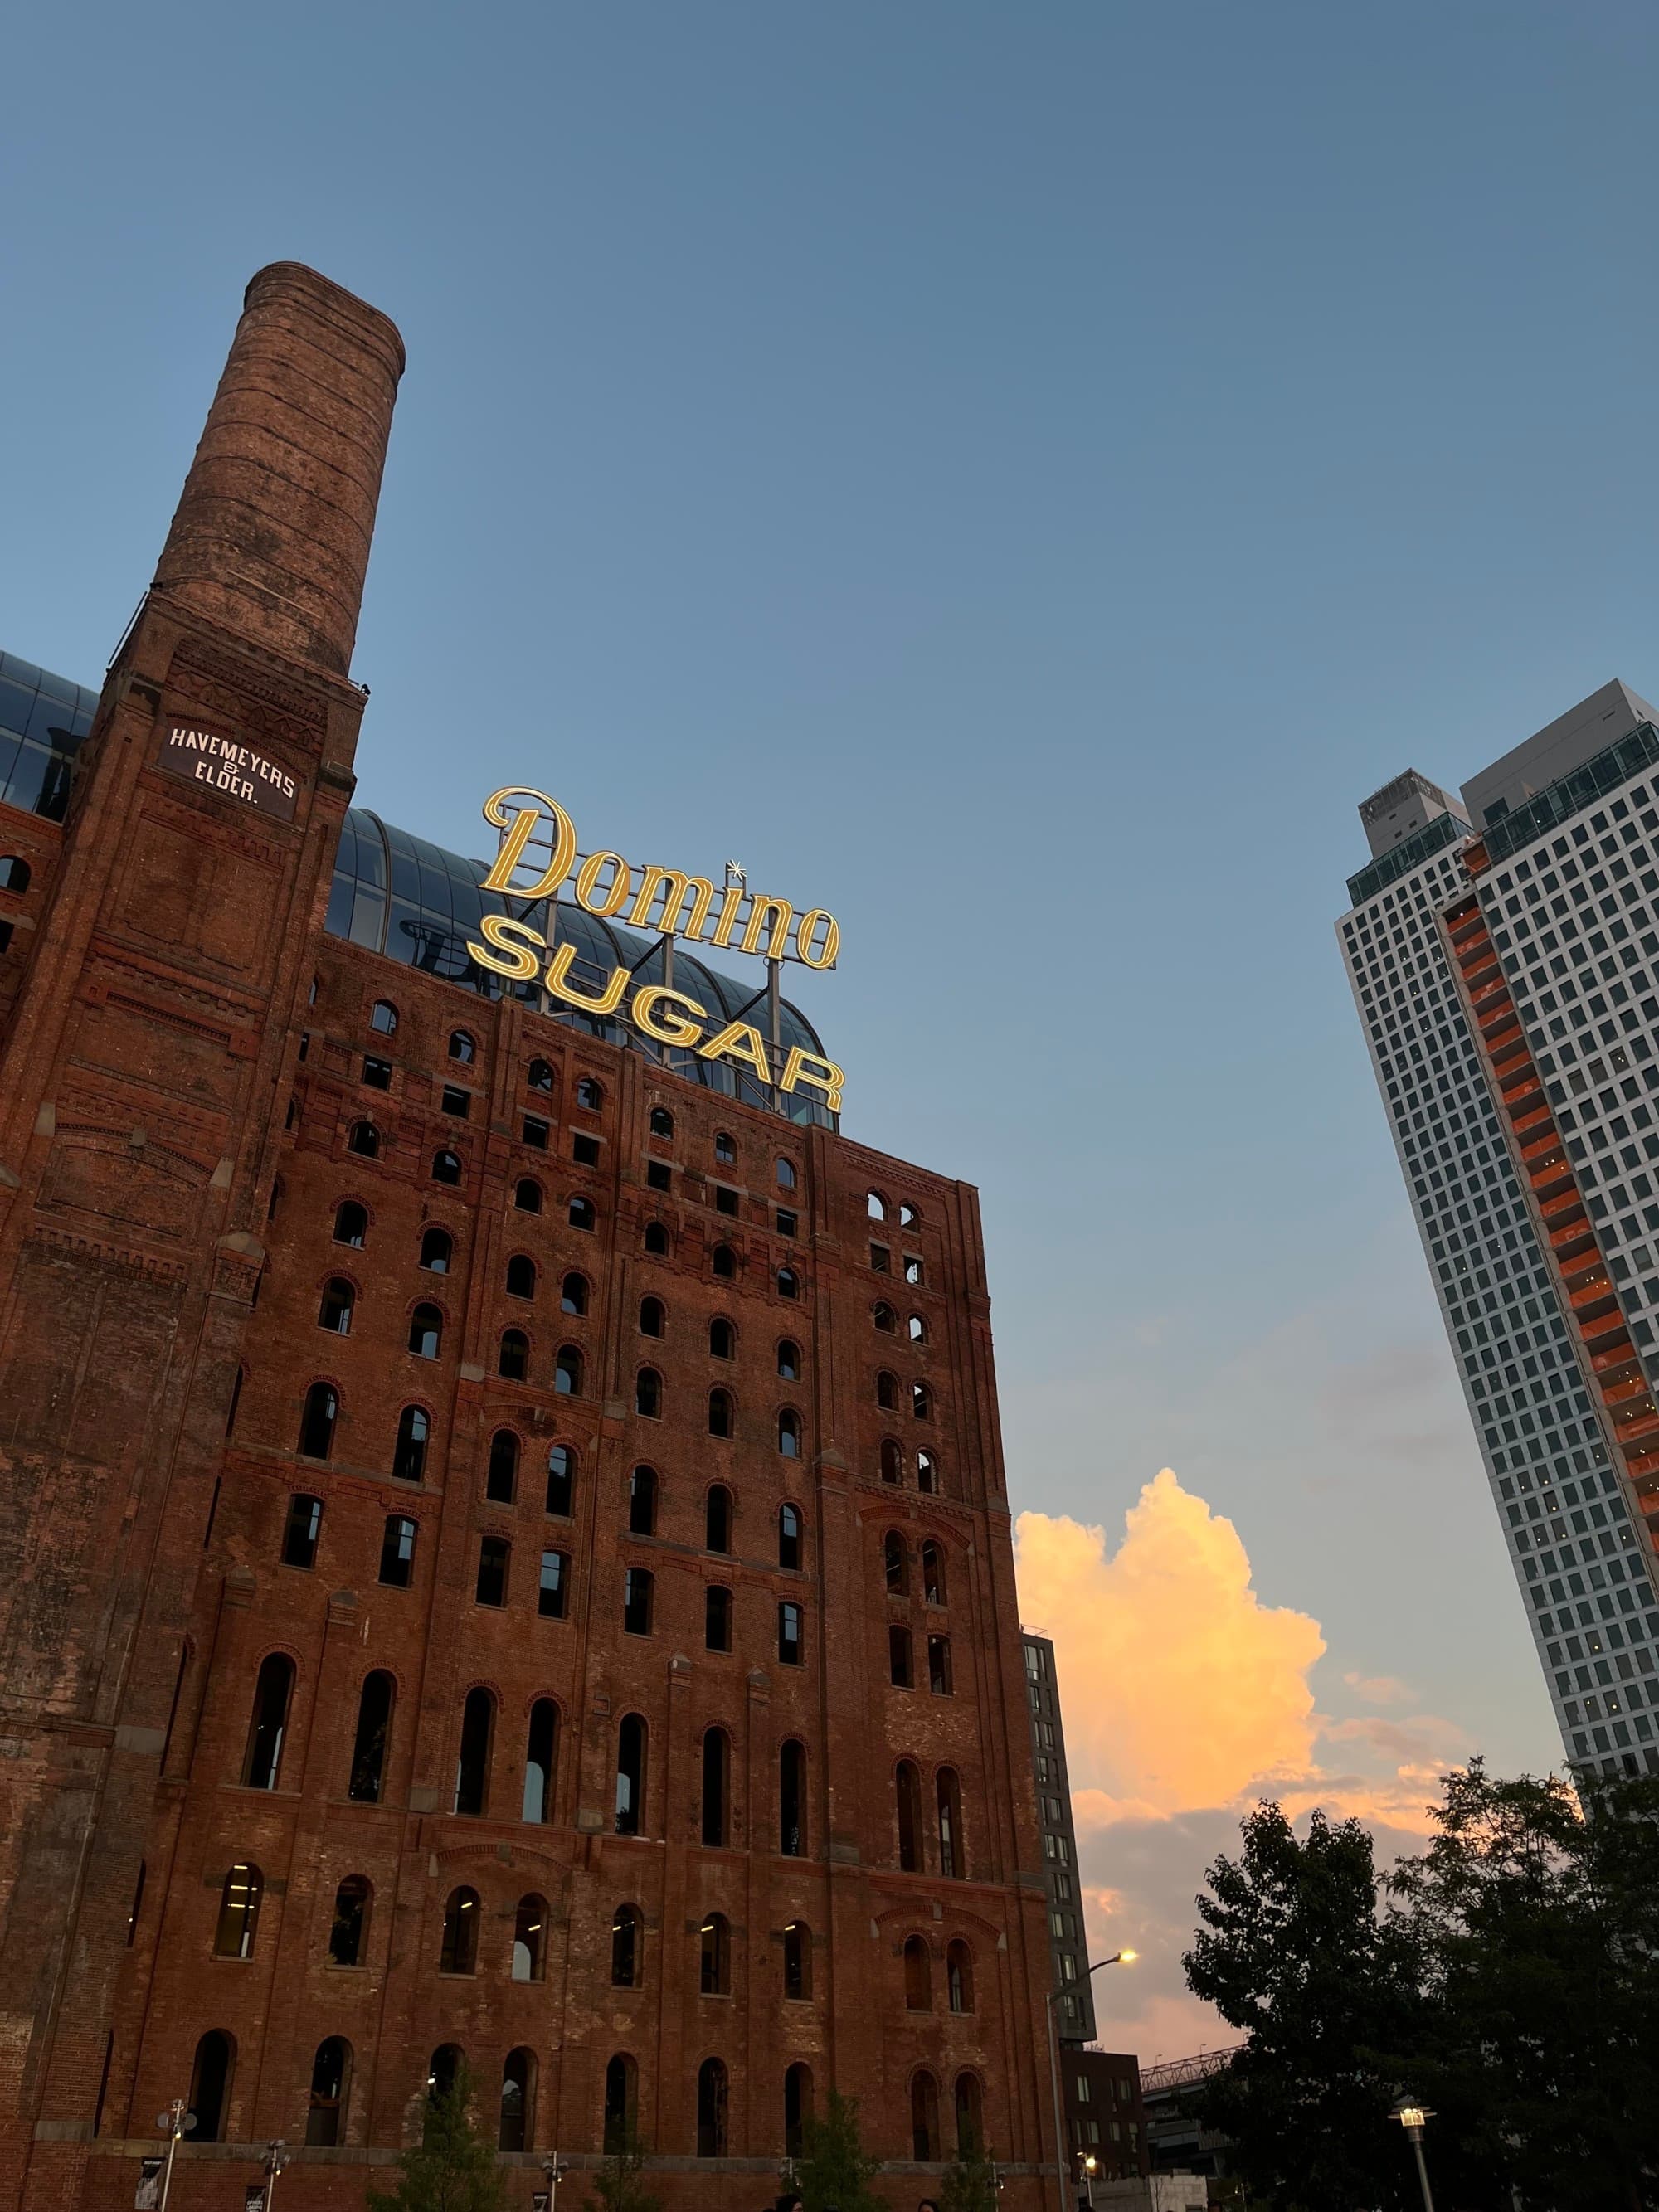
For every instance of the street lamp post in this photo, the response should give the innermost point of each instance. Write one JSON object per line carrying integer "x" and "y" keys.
{"x": 175, "y": 2122}
{"x": 554, "y": 2170}
{"x": 1412, "y": 2116}
{"x": 1087, "y": 2162}
{"x": 1117, "y": 1959}
{"x": 276, "y": 2160}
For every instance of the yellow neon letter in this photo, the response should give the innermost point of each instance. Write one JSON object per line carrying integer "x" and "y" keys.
{"x": 779, "y": 914}
{"x": 737, "y": 1040}
{"x": 668, "y": 1027}
{"x": 674, "y": 888}
{"x": 504, "y": 934}
{"x": 558, "y": 968}
{"x": 827, "y": 929}
{"x": 518, "y": 832}
{"x": 798, "y": 1069}
{"x": 587, "y": 875}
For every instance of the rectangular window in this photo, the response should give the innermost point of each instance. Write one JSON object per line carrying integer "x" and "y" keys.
{"x": 1067, "y": 1966}
{"x": 456, "y": 1101}
{"x": 636, "y": 1601}
{"x": 789, "y": 1635}
{"x": 913, "y": 1270}
{"x": 789, "y": 1223}
{"x": 551, "y": 1596}
{"x": 493, "y": 1554}
{"x": 880, "y": 1258}
{"x": 726, "y": 1201}
{"x": 535, "y": 1132}
{"x": 377, "y": 1074}
{"x": 1052, "y": 1813}
{"x": 585, "y": 1150}
{"x": 938, "y": 1666}
{"x": 658, "y": 1174}
{"x": 1083, "y": 2093}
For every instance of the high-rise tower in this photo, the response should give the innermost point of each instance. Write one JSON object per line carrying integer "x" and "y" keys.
{"x": 1503, "y": 954}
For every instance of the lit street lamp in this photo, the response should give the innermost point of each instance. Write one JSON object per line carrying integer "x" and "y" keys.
{"x": 1411, "y": 2117}
{"x": 1117, "y": 1959}
{"x": 554, "y": 2170}
{"x": 177, "y": 2120}
{"x": 1088, "y": 2162}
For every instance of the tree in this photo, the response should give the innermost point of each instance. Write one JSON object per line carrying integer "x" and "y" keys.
{"x": 833, "y": 2174}
{"x": 970, "y": 2184}
{"x": 617, "y": 2185}
{"x": 452, "y": 2168}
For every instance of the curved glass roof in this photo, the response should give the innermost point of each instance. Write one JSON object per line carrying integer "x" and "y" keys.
{"x": 394, "y": 893}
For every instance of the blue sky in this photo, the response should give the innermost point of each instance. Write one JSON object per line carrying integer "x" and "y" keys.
{"x": 1016, "y": 475}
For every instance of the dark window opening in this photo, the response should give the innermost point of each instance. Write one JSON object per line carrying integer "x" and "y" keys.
{"x": 473, "y": 1762}
{"x": 368, "y": 1748}
{"x": 561, "y": 1482}
{"x": 459, "y": 1952}
{"x": 637, "y": 1589}
{"x": 300, "y": 1531}
{"x": 717, "y": 1519}
{"x": 397, "y": 1552}
{"x": 502, "y": 1482}
{"x": 630, "y": 1776}
{"x": 540, "y": 1762}
{"x": 262, "y": 1762}
{"x": 490, "y": 1587}
{"x": 792, "y": 1800}
{"x": 409, "y": 1452}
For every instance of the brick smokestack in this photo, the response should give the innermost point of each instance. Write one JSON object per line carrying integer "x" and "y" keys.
{"x": 271, "y": 537}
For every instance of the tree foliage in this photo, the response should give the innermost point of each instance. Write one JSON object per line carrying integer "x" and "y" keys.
{"x": 969, "y": 2184}
{"x": 617, "y": 2185}
{"x": 452, "y": 2168}
{"x": 833, "y": 2174}
{"x": 1508, "y": 1977}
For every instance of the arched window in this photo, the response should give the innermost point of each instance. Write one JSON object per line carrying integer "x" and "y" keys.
{"x": 368, "y": 1749}
{"x": 896, "y": 1562}
{"x": 798, "y": 1960}
{"x": 630, "y": 1775}
{"x": 909, "y": 1216}
{"x": 338, "y": 1299}
{"x": 723, "y": 1260}
{"x": 621, "y": 2102}
{"x": 792, "y": 1800}
{"x": 582, "y": 1214}
{"x": 719, "y": 1413}
{"x": 725, "y": 1149}
{"x": 647, "y": 1394}
{"x": 906, "y": 1789}
{"x": 540, "y": 1762}
{"x": 262, "y": 1762}
{"x": 788, "y": 1360}
{"x": 322, "y": 1409}
{"x": 426, "y": 1332}
{"x": 459, "y": 1953}
{"x": 473, "y": 1762}
{"x": 791, "y": 1629}
{"x": 918, "y": 1975}
{"x": 331, "y": 2085}
{"x": 714, "y": 1942}
{"x": 892, "y": 1461}
{"x": 638, "y": 1591}
{"x": 409, "y": 1452}
{"x": 717, "y": 1519}
{"x": 445, "y": 1166}
{"x": 238, "y": 1912}
{"x": 349, "y": 1926}
{"x": 351, "y": 1223}
{"x": 722, "y": 1338}
{"x": 887, "y": 1391}
{"x": 561, "y": 1481}
{"x": 883, "y": 1317}
{"x": 301, "y": 1530}
{"x": 875, "y": 1206}
{"x": 932, "y": 1572}
{"x": 521, "y": 1276}
{"x": 797, "y": 2104}
{"x": 711, "y": 2109}
{"x": 921, "y": 1401}
{"x": 952, "y": 1854}
{"x": 530, "y": 1939}
{"x": 364, "y": 1139}
{"x": 513, "y": 1357}
{"x": 443, "y": 2068}
{"x": 590, "y": 1094}
{"x": 927, "y": 1473}
{"x": 789, "y": 1283}
{"x": 15, "y": 874}
{"x": 656, "y": 1240}
{"x": 527, "y": 1195}
{"x": 662, "y": 1121}
{"x": 383, "y": 1017}
{"x": 716, "y": 1787}
{"x": 502, "y": 1482}
{"x": 717, "y": 1618}
{"x": 572, "y": 1294}
{"x": 540, "y": 1075}
{"x": 900, "y": 1670}
{"x": 209, "y": 2085}
{"x": 462, "y": 1047}
{"x": 397, "y": 1551}
{"x": 642, "y": 1502}
{"x": 627, "y": 1947}
{"x": 971, "y": 2126}
{"x": 959, "y": 1975}
{"x": 567, "y": 1371}
{"x": 916, "y": 1330}
{"x": 785, "y": 1170}
{"x": 654, "y": 1317}
{"x": 789, "y": 1536}
{"x": 924, "y": 2119}
{"x": 789, "y": 1434}
{"x": 517, "y": 2097}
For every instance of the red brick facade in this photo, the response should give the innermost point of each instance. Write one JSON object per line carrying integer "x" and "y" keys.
{"x": 183, "y": 1055}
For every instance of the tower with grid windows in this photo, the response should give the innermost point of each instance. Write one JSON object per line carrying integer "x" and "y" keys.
{"x": 1503, "y": 948}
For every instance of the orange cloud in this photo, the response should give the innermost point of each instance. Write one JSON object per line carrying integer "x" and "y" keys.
{"x": 1179, "y": 1687}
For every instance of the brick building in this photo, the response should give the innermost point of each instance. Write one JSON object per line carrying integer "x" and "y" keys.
{"x": 502, "y": 1555}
